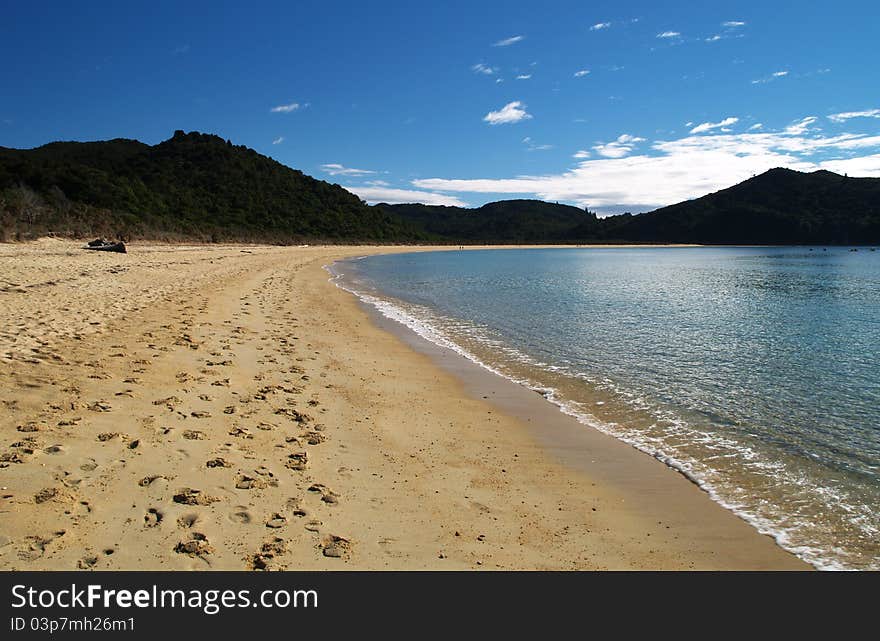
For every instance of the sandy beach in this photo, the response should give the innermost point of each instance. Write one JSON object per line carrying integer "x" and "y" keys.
{"x": 229, "y": 408}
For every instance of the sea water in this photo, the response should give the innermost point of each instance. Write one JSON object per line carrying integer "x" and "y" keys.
{"x": 754, "y": 371}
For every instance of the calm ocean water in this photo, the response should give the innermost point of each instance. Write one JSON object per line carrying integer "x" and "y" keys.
{"x": 755, "y": 371}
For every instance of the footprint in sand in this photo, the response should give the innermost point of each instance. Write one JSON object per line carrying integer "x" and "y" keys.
{"x": 270, "y": 550}
{"x": 187, "y": 521}
{"x": 298, "y": 461}
{"x": 196, "y": 546}
{"x": 153, "y": 517}
{"x": 276, "y": 521}
{"x": 241, "y": 515}
{"x": 327, "y": 495}
{"x": 35, "y": 546}
{"x": 336, "y": 547}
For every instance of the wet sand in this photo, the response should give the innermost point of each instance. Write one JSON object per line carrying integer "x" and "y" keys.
{"x": 227, "y": 407}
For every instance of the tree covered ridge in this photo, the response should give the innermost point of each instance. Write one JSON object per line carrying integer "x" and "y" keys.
{"x": 780, "y": 206}
{"x": 194, "y": 186}
{"x": 198, "y": 186}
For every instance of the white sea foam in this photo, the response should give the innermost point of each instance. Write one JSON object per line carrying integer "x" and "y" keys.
{"x": 782, "y": 528}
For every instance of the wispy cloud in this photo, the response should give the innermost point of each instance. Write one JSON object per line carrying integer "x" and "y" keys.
{"x": 382, "y": 194}
{"x": 849, "y": 115}
{"x": 714, "y": 38}
{"x": 733, "y": 24}
{"x": 531, "y": 146}
{"x": 680, "y": 169}
{"x": 335, "y": 169}
{"x": 773, "y": 76}
{"x": 756, "y": 126}
{"x": 180, "y": 50}
{"x": 581, "y": 73}
{"x": 801, "y": 126}
{"x": 709, "y": 126}
{"x": 669, "y": 34}
{"x": 510, "y": 113}
{"x": 619, "y": 148}
{"x": 524, "y": 76}
{"x": 483, "y": 69}
{"x": 278, "y": 140}
{"x": 508, "y": 41}
{"x": 285, "y": 109}
{"x": 600, "y": 25}
{"x": 581, "y": 154}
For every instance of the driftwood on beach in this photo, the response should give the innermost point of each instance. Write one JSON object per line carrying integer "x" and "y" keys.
{"x": 101, "y": 245}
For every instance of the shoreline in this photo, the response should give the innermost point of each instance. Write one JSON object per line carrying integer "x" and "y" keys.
{"x": 406, "y": 466}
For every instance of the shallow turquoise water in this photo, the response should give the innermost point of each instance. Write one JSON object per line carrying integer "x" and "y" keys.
{"x": 756, "y": 371}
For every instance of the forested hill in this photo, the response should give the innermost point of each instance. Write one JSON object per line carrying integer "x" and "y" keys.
{"x": 506, "y": 221}
{"x": 200, "y": 187}
{"x": 780, "y": 206}
{"x": 193, "y": 186}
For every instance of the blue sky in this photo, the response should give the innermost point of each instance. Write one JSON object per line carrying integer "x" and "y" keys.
{"x": 618, "y": 106}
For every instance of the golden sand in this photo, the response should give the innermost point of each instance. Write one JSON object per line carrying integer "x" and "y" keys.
{"x": 227, "y": 407}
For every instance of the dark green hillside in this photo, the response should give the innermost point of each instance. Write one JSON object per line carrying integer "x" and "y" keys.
{"x": 780, "y": 206}
{"x": 200, "y": 187}
{"x": 192, "y": 186}
{"x": 507, "y": 221}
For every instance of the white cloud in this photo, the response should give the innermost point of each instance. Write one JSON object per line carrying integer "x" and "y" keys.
{"x": 756, "y": 126}
{"x": 669, "y": 34}
{"x": 733, "y": 24}
{"x": 681, "y": 169}
{"x": 278, "y": 140}
{"x": 335, "y": 169}
{"x": 863, "y": 166}
{"x": 510, "y": 113}
{"x": 483, "y": 69}
{"x": 773, "y": 76}
{"x": 801, "y": 126}
{"x": 382, "y": 194}
{"x": 581, "y": 154}
{"x": 600, "y": 25}
{"x": 508, "y": 41}
{"x": 524, "y": 76}
{"x": 708, "y": 126}
{"x": 533, "y": 147}
{"x": 581, "y": 73}
{"x": 848, "y": 115}
{"x": 714, "y": 38}
{"x": 377, "y": 183}
{"x": 285, "y": 109}
{"x": 619, "y": 148}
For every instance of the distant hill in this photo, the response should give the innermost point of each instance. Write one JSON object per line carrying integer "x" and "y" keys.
{"x": 506, "y": 221}
{"x": 780, "y": 206}
{"x": 200, "y": 187}
{"x": 192, "y": 186}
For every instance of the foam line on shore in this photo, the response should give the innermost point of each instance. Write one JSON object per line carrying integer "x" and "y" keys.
{"x": 427, "y": 331}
